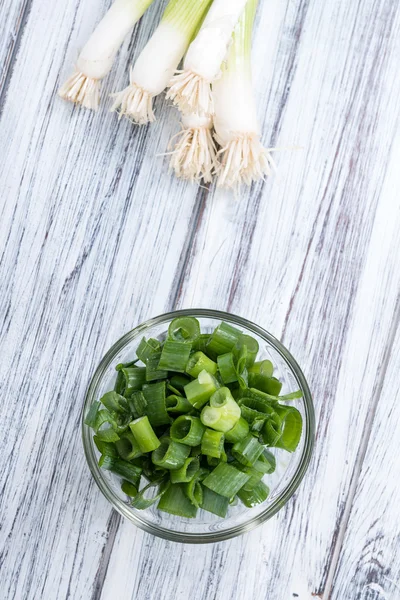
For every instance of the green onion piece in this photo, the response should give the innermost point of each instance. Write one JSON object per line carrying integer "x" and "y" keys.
{"x": 292, "y": 396}
{"x": 241, "y": 368}
{"x": 227, "y": 367}
{"x": 106, "y": 462}
{"x": 223, "y": 339}
{"x": 212, "y": 443}
{"x": 272, "y": 386}
{"x": 129, "y": 489}
{"x": 255, "y": 496}
{"x": 272, "y": 430}
{"x": 184, "y": 329}
{"x": 120, "y": 382}
{"x": 187, "y": 471}
{"x": 114, "y": 402}
{"x": 156, "y": 408}
{"x": 179, "y": 381}
{"x": 200, "y": 362}
{"x": 178, "y": 404}
{"x": 127, "y": 446}
{"x": 153, "y": 371}
{"x": 255, "y": 476}
{"x": 132, "y": 363}
{"x": 135, "y": 377}
{"x": 91, "y": 417}
{"x": 187, "y": 430}
{"x": 148, "y": 348}
{"x": 247, "y": 450}
{"x": 141, "y": 502}
{"x": 252, "y": 347}
{"x": 223, "y": 412}
{"x": 292, "y": 428}
{"x": 174, "y": 356}
{"x": 214, "y": 503}
{"x": 238, "y": 431}
{"x": 266, "y": 463}
{"x": 261, "y": 403}
{"x": 137, "y": 404}
{"x": 125, "y": 469}
{"x": 175, "y": 502}
{"x": 200, "y": 343}
{"x": 262, "y": 367}
{"x": 144, "y": 434}
{"x": 106, "y": 448}
{"x": 199, "y": 391}
{"x": 107, "y": 435}
{"x": 194, "y": 491}
{"x": 170, "y": 455}
{"x": 195, "y": 451}
{"x": 226, "y": 480}
{"x": 175, "y": 391}
{"x": 153, "y": 473}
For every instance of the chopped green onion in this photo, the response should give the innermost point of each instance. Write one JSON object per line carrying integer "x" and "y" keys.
{"x": 200, "y": 343}
{"x": 272, "y": 430}
{"x": 174, "y": 356}
{"x": 127, "y": 446}
{"x": 170, "y": 455}
{"x": 199, "y": 391}
{"x": 194, "y": 491}
{"x": 238, "y": 431}
{"x": 255, "y": 476}
{"x": 178, "y": 404}
{"x": 212, "y": 443}
{"x": 129, "y": 489}
{"x": 292, "y": 428}
{"x": 148, "y": 348}
{"x": 144, "y": 434}
{"x": 153, "y": 371}
{"x": 258, "y": 494}
{"x": 226, "y": 480}
{"x": 187, "y": 430}
{"x": 106, "y": 448}
{"x": 141, "y": 502}
{"x": 266, "y": 463}
{"x": 137, "y": 404}
{"x": 259, "y": 373}
{"x": 223, "y": 339}
{"x": 252, "y": 347}
{"x": 175, "y": 502}
{"x": 214, "y": 503}
{"x": 114, "y": 402}
{"x": 195, "y": 451}
{"x": 179, "y": 381}
{"x": 156, "y": 408}
{"x": 107, "y": 435}
{"x": 247, "y": 450}
{"x": 91, "y": 417}
{"x": 200, "y": 362}
{"x": 227, "y": 367}
{"x": 184, "y": 329}
{"x": 186, "y": 473}
{"x": 223, "y": 412}
{"x": 272, "y": 386}
{"x": 125, "y": 469}
{"x": 135, "y": 377}
{"x": 120, "y": 382}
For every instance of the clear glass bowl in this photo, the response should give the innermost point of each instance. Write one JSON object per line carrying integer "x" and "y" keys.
{"x": 206, "y": 527}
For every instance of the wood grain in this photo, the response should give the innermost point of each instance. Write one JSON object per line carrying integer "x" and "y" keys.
{"x": 96, "y": 237}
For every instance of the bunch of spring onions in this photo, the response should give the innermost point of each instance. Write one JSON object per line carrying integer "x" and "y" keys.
{"x": 190, "y": 422}
{"x": 213, "y": 91}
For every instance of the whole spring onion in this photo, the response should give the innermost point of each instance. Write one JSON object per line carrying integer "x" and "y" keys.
{"x": 98, "y": 54}
{"x": 243, "y": 159}
{"x": 193, "y": 150}
{"x": 159, "y": 59}
{"x": 193, "y": 428}
{"x": 190, "y": 88}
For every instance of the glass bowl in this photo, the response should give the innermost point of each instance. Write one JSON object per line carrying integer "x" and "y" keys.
{"x": 206, "y": 527}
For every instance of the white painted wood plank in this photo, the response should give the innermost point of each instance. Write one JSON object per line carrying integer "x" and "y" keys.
{"x": 12, "y": 15}
{"x": 299, "y": 256}
{"x": 90, "y": 241}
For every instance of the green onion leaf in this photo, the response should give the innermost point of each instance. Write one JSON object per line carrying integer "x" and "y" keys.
{"x": 227, "y": 368}
{"x": 187, "y": 430}
{"x": 212, "y": 443}
{"x": 214, "y": 503}
{"x": 200, "y": 362}
{"x": 223, "y": 339}
{"x": 258, "y": 494}
{"x": 187, "y": 471}
{"x": 226, "y": 480}
{"x": 184, "y": 329}
{"x": 144, "y": 434}
{"x": 129, "y": 489}
{"x": 178, "y": 404}
{"x": 174, "y": 356}
{"x": 170, "y": 455}
{"x": 127, "y": 446}
{"x": 199, "y": 391}
{"x": 148, "y": 348}
{"x": 135, "y": 377}
{"x": 156, "y": 408}
{"x": 91, "y": 417}
{"x": 238, "y": 431}
{"x": 153, "y": 371}
{"x": 175, "y": 502}
{"x": 141, "y": 502}
{"x": 247, "y": 450}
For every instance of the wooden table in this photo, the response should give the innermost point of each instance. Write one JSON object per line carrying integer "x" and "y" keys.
{"x": 97, "y": 236}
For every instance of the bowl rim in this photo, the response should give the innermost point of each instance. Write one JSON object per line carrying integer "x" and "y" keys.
{"x": 214, "y": 536}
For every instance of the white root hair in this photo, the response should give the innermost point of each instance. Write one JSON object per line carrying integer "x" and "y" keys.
{"x": 135, "y": 103}
{"x": 243, "y": 160}
{"x": 82, "y": 90}
{"x": 191, "y": 93}
{"x": 194, "y": 156}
